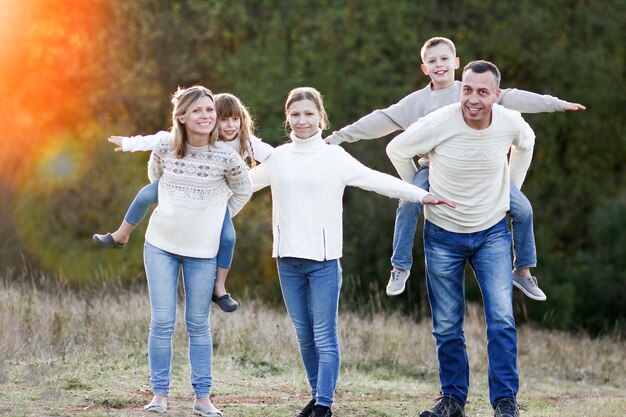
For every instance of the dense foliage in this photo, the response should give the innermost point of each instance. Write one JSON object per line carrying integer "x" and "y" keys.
{"x": 82, "y": 72}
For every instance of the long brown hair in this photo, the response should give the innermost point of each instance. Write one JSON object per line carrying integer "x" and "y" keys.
{"x": 227, "y": 105}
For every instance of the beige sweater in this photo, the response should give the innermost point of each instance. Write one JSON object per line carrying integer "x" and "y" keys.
{"x": 194, "y": 192}
{"x": 467, "y": 166}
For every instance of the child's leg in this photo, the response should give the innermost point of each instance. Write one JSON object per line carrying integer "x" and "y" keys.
{"x": 224, "y": 260}
{"x": 521, "y": 211}
{"x": 147, "y": 196}
{"x": 524, "y": 250}
{"x": 407, "y": 215}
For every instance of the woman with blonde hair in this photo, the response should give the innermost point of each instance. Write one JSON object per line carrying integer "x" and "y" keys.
{"x": 198, "y": 181}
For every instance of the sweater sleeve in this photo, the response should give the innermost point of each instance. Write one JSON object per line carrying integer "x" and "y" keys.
{"x": 261, "y": 150}
{"x": 155, "y": 165}
{"x": 375, "y": 125}
{"x": 143, "y": 143}
{"x": 239, "y": 183}
{"x": 527, "y": 102}
{"x": 260, "y": 176}
{"x": 521, "y": 153}
{"x": 358, "y": 175}
{"x": 416, "y": 140}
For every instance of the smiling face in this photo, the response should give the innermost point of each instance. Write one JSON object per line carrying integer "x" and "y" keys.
{"x": 200, "y": 119}
{"x": 439, "y": 64}
{"x": 304, "y": 118}
{"x": 229, "y": 128}
{"x": 478, "y": 94}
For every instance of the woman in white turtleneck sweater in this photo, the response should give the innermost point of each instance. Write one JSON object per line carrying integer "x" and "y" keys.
{"x": 307, "y": 179}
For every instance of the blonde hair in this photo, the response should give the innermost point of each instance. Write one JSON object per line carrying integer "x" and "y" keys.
{"x": 434, "y": 42}
{"x": 183, "y": 99}
{"x": 227, "y": 105}
{"x": 307, "y": 93}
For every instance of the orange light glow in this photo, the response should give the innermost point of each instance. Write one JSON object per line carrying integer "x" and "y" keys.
{"x": 48, "y": 49}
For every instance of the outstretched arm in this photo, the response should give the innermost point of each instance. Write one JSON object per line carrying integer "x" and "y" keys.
{"x": 137, "y": 143}
{"x": 528, "y": 102}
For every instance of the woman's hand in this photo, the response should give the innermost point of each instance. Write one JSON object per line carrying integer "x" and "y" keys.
{"x": 431, "y": 199}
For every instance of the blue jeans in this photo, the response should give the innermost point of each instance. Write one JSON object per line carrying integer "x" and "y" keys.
{"x": 311, "y": 293}
{"x": 408, "y": 214}
{"x": 162, "y": 270}
{"x": 521, "y": 212}
{"x": 489, "y": 254}
{"x": 148, "y": 196}
{"x": 227, "y": 243}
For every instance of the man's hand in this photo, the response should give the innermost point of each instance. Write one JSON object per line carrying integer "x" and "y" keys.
{"x": 117, "y": 140}
{"x": 574, "y": 106}
{"x": 431, "y": 199}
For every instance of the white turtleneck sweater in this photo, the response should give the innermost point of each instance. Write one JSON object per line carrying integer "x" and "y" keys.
{"x": 307, "y": 179}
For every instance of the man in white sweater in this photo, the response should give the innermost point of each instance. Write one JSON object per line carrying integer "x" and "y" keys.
{"x": 467, "y": 144}
{"x": 439, "y": 62}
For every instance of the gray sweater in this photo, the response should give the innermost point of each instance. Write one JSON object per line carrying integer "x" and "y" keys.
{"x": 418, "y": 104}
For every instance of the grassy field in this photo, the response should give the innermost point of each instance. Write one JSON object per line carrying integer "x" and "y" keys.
{"x": 67, "y": 353}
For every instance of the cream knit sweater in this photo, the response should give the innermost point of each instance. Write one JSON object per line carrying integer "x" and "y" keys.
{"x": 193, "y": 196}
{"x": 467, "y": 166}
{"x": 307, "y": 179}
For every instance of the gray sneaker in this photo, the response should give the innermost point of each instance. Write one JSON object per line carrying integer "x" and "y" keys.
{"x": 528, "y": 285}
{"x": 397, "y": 281}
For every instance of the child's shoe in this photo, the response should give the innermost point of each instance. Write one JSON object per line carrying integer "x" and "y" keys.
{"x": 107, "y": 241}
{"x": 225, "y": 302}
{"x": 397, "y": 281}
{"x": 528, "y": 285}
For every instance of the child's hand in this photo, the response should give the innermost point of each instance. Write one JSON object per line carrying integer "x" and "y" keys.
{"x": 574, "y": 106}
{"x": 434, "y": 200}
{"x": 117, "y": 140}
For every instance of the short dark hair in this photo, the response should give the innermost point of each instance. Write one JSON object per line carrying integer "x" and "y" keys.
{"x": 481, "y": 66}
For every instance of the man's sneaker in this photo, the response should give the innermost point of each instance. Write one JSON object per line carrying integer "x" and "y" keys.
{"x": 445, "y": 406}
{"x": 506, "y": 407}
{"x": 307, "y": 411}
{"x": 321, "y": 411}
{"x": 397, "y": 281}
{"x": 528, "y": 285}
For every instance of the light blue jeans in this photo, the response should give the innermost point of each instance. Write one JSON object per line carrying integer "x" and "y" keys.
{"x": 408, "y": 214}
{"x": 149, "y": 195}
{"x": 489, "y": 254}
{"x": 311, "y": 294}
{"x": 162, "y": 271}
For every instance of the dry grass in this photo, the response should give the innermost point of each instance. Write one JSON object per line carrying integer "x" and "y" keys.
{"x": 70, "y": 353}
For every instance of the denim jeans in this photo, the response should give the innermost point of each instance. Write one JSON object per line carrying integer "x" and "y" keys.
{"x": 311, "y": 293}
{"x": 162, "y": 270}
{"x": 148, "y": 196}
{"x": 489, "y": 254}
{"x": 227, "y": 243}
{"x": 521, "y": 212}
{"x": 408, "y": 214}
